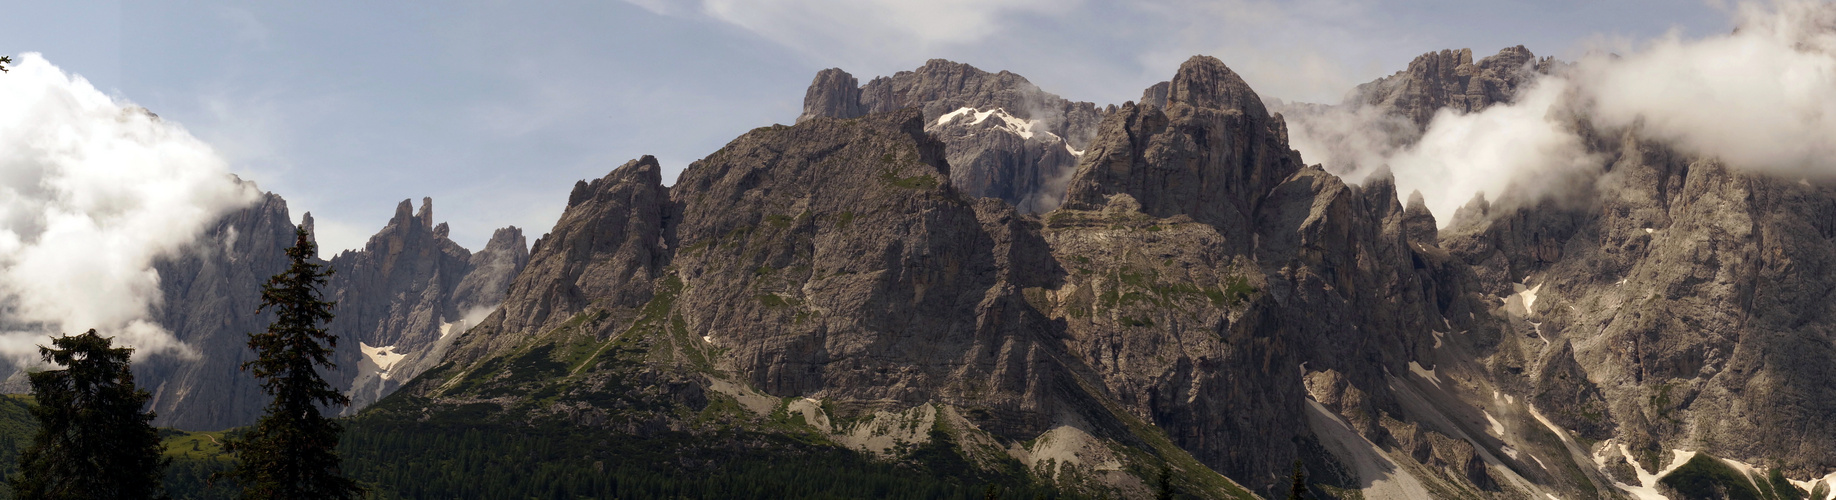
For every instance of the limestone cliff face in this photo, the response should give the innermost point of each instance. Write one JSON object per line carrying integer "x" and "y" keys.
{"x": 209, "y": 295}
{"x": 1003, "y": 136}
{"x": 406, "y": 291}
{"x": 1693, "y": 295}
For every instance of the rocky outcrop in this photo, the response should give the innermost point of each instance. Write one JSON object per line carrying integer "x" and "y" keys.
{"x": 835, "y": 93}
{"x": 1450, "y": 79}
{"x": 1003, "y": 136}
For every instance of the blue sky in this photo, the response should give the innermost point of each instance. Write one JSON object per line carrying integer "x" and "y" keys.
{"x": 495, "y": 108}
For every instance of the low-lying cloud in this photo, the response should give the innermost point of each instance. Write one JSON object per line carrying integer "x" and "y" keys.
{"x": 92, "y": 191}
{"x": 1761, "y": 98}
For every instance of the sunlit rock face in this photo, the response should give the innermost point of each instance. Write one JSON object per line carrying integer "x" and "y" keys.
{"x": 1003, "y": 137}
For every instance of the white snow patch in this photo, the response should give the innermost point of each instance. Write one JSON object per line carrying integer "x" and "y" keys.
{"x": 1497, "y": 427}
{"x": 1806, "y": 182}
{"x": 383, "y": 358}
{"x": 1646, "y": 489}
{"x": 1522, "y": 303}
{"x": 951, "y": 116}
{"x": 1509, "y": 451}
{"x": 1010, "y": 123}
{"x": 1425, "y": 373}
{"x": 707, "y": 338}
{"x": 1811, "y": 485}
{"x": 1650, "y": 230}
{"x": 1074, "y": 152}
{"x": 1437, "y": 339}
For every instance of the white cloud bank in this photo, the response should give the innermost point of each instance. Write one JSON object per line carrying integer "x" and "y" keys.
{"x": 92, "y": 190}
{"x": 1762, "y": 98}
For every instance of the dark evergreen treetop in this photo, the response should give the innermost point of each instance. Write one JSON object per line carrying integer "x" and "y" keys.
{"x": 94, "y": 442}
{"x": 292, "y": 451}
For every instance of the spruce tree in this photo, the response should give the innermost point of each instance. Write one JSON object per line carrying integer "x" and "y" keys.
{"x": 93, "y": 440}
{"x": 1164, "y": 484}
{"x": 1298, "y": 491}
{"x": 292, "y": 451}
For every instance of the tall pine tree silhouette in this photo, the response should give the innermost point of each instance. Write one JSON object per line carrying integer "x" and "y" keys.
{"x": 93, "y": 441}
{"x": 292, "y": 452}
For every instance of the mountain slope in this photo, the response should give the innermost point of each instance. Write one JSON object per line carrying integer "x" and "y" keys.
{"x": 1203, "y": 303}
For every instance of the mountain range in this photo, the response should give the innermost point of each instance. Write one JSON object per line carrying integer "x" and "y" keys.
{"x": 957, "y": 274}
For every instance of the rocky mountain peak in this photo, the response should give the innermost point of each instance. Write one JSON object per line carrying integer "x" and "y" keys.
{"x": 306, "y": 223}
{"x": 642, "y": 171}
{"x": 605, "y": 249}
{"x": 403, "y": 212}
{"x": 1005, "y": 137}
{"x": 1205, "y": 82}
{"x": 834, "y": 93}
{"x": 1157, "y": 94}
{"x": 426, "y": 213}
{"x": 1451, "y": 79}
{"x": 1209, "y": 154}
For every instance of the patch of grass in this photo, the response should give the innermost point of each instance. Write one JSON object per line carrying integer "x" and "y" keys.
{"x": 1707, "y": 478}
{"x": 698, "y": 246}
{"x": 779, "y": 221}
{"x": 921, "y": 181}
{"x": 196, "y": 446}
{"x": 776, "y": 301}
{"x": 1237, "y": 290}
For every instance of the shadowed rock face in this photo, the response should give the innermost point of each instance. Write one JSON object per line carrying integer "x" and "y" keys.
{"x": 408, "y": 289}
{"x": 1004, "y": 137}
{"x": 409, "y": 285}
{"x": 210, "y": 292}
